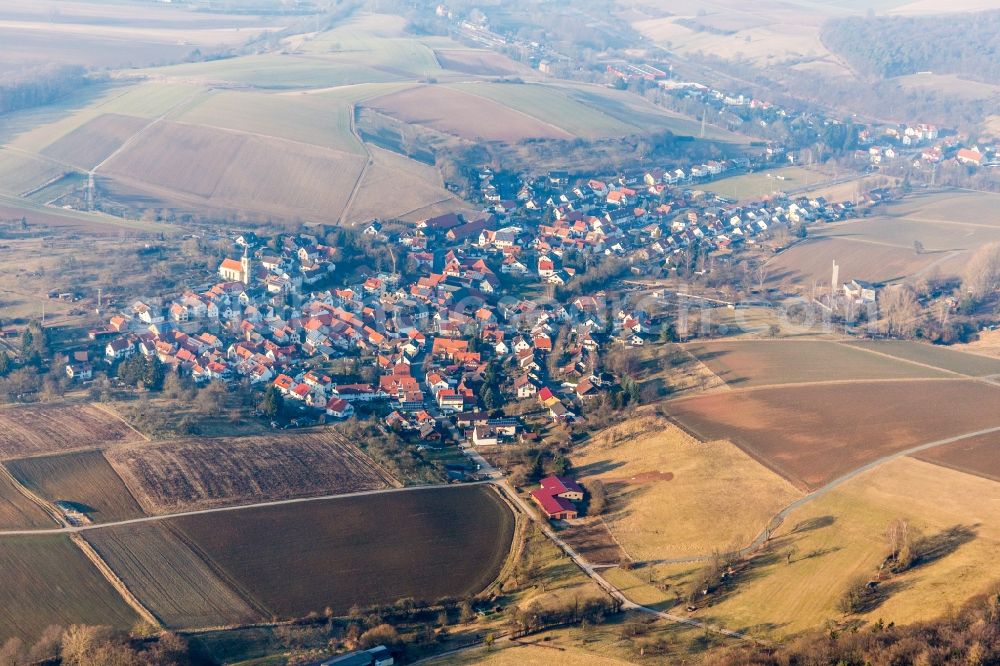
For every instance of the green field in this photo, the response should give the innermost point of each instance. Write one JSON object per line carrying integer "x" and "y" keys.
{"x": 764, "y": 183}
{"x": 307, "y": 118}
{"x": 84, "y": 479}
{"x": 296, "y": 559}
{"x": 48, "y": 580}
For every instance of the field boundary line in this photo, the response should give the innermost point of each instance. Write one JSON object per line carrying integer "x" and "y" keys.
{"x": 519, "y": 539}
{"x": 112, "y": 413}
{"x": 831, "y": 382}
{"x": 358, "y": 454}
{"x": 48, "y": 507}
{"x": 369, "y": 161}
{"x": 905, "y": 360}
{"x": 117, "y": 583}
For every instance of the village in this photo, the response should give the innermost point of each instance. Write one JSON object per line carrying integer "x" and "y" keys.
{"x": 497, "y": 329}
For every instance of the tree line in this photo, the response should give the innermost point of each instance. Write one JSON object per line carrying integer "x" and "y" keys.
{"x": 40, "y": 85}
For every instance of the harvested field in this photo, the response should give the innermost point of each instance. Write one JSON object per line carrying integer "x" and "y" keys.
{"x": 973, "y": 365}
{"x": 765, "y": 362}
{"x": 48, "y": 580}
{"x": 206, "y": 472}
{"x": 976, "y": 455}
{"x": 810, "y": 261}
{"x": 240, "y": 171}
{"x": 478, "y": 62}
{"x": 89, "y": 145}
{"x": 813, "y": 434}
{"x": 672, "y": 496}
{"x": 38, "y": 429}
{"x": 17, "y": 511}
{"x": 85, "y": 479}
{"x": 425, "y": 544}
{"x": 168, "y": 578}
{"x": 465, "y": 115}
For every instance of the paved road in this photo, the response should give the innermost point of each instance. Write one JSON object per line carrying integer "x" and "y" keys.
{"x": 220, "y": 509}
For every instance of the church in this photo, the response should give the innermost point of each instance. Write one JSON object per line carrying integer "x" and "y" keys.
{"x": 231, "y": 270}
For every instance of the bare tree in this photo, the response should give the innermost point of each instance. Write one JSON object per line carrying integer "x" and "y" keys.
{"x": 982, "y": 273}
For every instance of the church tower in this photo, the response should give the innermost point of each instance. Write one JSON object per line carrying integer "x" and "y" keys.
{"x": 245, "y": 265}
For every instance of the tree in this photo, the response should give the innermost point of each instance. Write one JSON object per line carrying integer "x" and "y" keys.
{"x": 382, "y": 634}
{"x": 212, "y": 398}
{"x": 597, "y": 500}
{"x": 272, "y": 403}
{"x": 918, "y": 247}
{"x": 982, "y": 272}
{"x": 6, "y": 364}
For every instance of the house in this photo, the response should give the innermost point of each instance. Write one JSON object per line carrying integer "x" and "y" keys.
{"x": 969, "y": 156}
{"x": 556, "y": 497}
{"x": 119, "y": 348}
{"x": 485, "y": 436}
{"x": 81, "y": 371}
{"x": 339, "y": 408}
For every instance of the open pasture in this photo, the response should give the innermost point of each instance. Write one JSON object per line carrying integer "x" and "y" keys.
{"x": 236, "y": 172}
{"x": 975, "y": 455}
{"x": 464, "y": 115}
{"x": 973, "y": 365}
{"x": 39, "y": 429}
{"x": 796, "y": 583}
{"x": 295, "y": 559}
{"x": 84, "y": 479}
{"x": 814, "y": 434}
{"x": 89, "y": 145}
{"x": 48, "y": 580}
{"x": 673, "y": 496}
{"x": 169, "y": 578}
{"x": 742, "y": 363}
{"x": 202, "y": 473}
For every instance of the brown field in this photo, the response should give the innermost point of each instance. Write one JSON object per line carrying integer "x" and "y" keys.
{"x": 89, "y": 145}
{"x": 764, "y": 362}
{"x": 38, "y": 429}
{"x": 478, "y": 62}
{"x": 235, "y": 171}
{"x": 813, "y": 434}
{"x": 974, "y": 365}
{"x": 85, "y": 479}
{"x": 73, "y": 221}
{"x": 168, "y": 578}
{"x": 415, "y": 187}
{"x": 672, "y": 496}
{"x": 207, "y": 472}
{"x": 591, "y": 538}
{"x": 424, "y": 544}
{"x": 465, "y": 115}
{"x": 810, "y": 261}
{"x": 976, "y": 455}
{"x": 17, "y": 511}
{"x": 48, "y": 580}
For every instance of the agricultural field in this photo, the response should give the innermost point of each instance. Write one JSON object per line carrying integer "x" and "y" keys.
{"x": 975, "y": 455}
{"x": 92, "y": 143}
{"x": 206, "y": 472}
{"x": 48, "y": 580}
{"x": 40, "y": 429}
{"x": 20, "y": 172}
{"x": 762, "y": 184}
{"x": 258, "y": 175}
{"x": 464, "y": 115}
{"x": 748, "y": 363}
{"x": 295, "y": 559}
{"x": 671, "y": 496}
{"x": 973, "y": 365}
{"x": 417, "y": 189}
{"x": 17, "y": 511}
{"x": 479, "y": 62}
{"x": 169, "y": 578}
{"x": 84, "y": 479}
{"x": 810, "y": 262}
{"x": 814, "y": 434}
{"x": 311, "y": 119}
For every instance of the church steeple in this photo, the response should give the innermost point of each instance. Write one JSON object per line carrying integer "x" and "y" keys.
{"x": 245, "y": 265}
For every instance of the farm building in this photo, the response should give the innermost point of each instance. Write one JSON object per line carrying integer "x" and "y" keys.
{"x": 376, "y": 656}
{"x": 556, "y": 497}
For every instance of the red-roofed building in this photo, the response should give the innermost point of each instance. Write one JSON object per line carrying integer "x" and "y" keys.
{"x": 555, "y": 507}
{"x": 339, "y": 408}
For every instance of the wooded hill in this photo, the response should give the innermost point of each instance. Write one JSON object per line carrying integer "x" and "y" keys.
{"x": 967, "y": 45}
